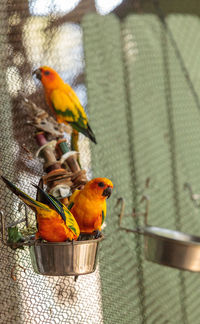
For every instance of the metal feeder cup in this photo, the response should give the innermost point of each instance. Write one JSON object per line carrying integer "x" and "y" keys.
{"x": 167, "y": 247}
{"x": 65, "y": 258}
{"x": 172, "y": 248}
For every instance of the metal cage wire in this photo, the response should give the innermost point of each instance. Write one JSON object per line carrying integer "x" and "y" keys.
{"x": 141, "y": 74}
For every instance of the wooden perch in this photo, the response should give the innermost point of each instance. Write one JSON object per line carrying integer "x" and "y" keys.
{"x": 40, "y": 119}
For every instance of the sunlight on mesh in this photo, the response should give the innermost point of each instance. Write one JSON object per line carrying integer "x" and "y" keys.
{"x": 44, "y": 7}
{"x": 13, "y": 80}
{"x": 64, "y": 50}
{"x": 104, "y": 7}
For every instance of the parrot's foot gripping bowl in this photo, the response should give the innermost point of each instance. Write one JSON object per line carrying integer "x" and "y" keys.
{"x": 172, "y": 248}
{"x": 65, "y": 258}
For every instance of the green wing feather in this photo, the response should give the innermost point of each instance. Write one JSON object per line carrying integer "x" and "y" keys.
{"x": 57, "y": 206}
{"x": 68, "y": 107}
{"x": 103, "y": 213}
{"x": 103, "y": 217}
{"x": 69, "y": 218}
{"x": 71, "y": 222}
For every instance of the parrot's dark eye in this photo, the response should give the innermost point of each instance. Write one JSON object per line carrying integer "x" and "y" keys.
{"x": 101, "y": 184}
{"x": 46, "y": 72}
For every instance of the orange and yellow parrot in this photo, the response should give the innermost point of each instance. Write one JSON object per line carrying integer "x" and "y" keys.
{"x": 55, "y": 223}
{"x": 63, "y": 101}
{"x": 89, "y": 204}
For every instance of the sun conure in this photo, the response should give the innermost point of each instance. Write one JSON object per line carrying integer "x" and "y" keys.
{"x": 89, "y": 204}
{"x": 55, "y": 223}
{"x": 63, "y": 101}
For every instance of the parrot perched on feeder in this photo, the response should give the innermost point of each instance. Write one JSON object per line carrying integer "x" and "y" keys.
{"x": 64, "y": 102}
{"x": 88, "y": 205}
{"x": 55, "y": 223}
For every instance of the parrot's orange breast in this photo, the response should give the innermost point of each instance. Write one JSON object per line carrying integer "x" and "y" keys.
{"x": 89, "y": 217}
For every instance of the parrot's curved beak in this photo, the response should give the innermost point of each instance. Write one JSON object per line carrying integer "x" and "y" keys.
{"x": 38, "y": 74}
{"x": 107, "y": 192}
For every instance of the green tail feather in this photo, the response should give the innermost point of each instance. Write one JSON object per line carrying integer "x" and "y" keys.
{"x": 85, "y": 131}
{"x": 22, "y": 195}
{"x": 56, "y": 204}
{"x": 91, "y": 134}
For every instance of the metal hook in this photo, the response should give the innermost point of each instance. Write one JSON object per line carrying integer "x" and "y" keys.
{"x": 193, "y": 197}
{"x": 21, "y": 204}
{"x": 121, "y": 214}
{"x": 145, "y": 198}
{"x": 3, "y": 232}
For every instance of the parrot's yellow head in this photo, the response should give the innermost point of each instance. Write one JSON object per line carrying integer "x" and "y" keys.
{"x": 49, "y": 77}
{"x": 101, "y": 187}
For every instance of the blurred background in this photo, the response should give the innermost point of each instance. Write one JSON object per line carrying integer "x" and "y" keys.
{"x": 135, "y": 67}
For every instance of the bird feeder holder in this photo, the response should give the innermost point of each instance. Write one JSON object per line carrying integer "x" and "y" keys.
{"x": 168, "y": 247}
{"x": 60, "y": 258}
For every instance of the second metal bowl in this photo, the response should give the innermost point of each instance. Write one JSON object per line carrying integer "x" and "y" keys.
{"x": 172, "y": 248}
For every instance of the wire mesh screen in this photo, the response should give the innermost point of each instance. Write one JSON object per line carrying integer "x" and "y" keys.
{"x": 141, "y": 75}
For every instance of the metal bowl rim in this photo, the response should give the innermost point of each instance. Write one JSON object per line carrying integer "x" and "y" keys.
{"x": 148, "y": 231}
{"x": 99, "y": 239}
{"x": 172, "y": 266}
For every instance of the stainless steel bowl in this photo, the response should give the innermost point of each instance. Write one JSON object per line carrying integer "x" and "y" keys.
{"x": 65, "y": 258}
{"x": 172, "y": 248}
